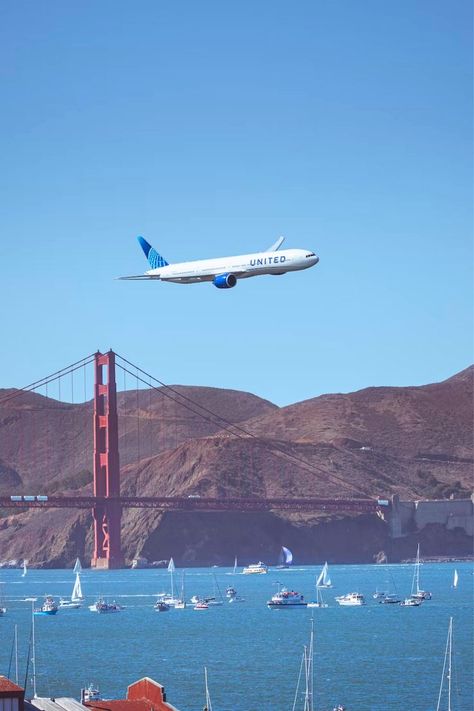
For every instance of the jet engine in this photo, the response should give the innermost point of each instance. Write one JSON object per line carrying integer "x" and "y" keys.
{"x": 225, "y": 281}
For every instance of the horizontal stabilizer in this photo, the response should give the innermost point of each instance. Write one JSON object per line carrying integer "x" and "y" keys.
{"x": 140, "y": 276}
{"x": 276, "y": 246}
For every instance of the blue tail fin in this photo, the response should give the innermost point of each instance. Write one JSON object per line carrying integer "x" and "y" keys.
{"x": 155, "y": 260}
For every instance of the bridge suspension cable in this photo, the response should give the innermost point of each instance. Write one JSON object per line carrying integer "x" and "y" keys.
{"x": 230, "y": 427}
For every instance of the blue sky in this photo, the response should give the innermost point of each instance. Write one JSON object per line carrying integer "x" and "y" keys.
{"x": 211, "y": 128}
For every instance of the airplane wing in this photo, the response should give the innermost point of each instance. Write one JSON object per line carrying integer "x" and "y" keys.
{"x": 276, "y": 246}
{"x": 139, "y": 276}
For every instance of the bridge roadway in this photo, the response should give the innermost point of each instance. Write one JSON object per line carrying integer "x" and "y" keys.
{"x": 195, "y": 503}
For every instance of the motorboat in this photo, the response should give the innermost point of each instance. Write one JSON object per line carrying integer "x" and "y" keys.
{"x": 411, "y": 602}
{"x": 201, "y": 605}
{"x": 390, "y": 599}
{"x": 103, "y": 607}
{"x": 286, "y": 598}
{"x": 91, "y": 693}
{"x": 351, "y": 599}
{"x": 230, "y": 591}
{"x": 255, "y": 569}
{"x": 161, "y": 606}
{"x": 49, "y": 607}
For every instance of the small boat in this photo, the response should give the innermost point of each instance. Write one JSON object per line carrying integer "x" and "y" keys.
{"x": 390, "y": 599}
{"x": 161, "y": 606}
{"x": 230, "y": 591}
{"x": 255, "y": 569}
{"x": 379, "y": 594}
{"x": 76, "y": 596}
{"x": 285, "y": 558}
{"x": 91, "y": 693}
{"x": 103, "y": 607}
{"x": 49, "y": 607}
{"x": 285, "y": 598}
{"x": 169, "y": 598}
{"x": 319, "y": 600}
{"x": 353, "y": 599}
{"x": 411, "y": 602}
{"x": 201, "y": 605}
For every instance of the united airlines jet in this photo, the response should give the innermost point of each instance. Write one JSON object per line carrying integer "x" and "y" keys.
{"x": 224, "y": 271}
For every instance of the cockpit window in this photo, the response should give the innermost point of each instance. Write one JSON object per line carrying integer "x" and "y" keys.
{"x": 311, "y": 254}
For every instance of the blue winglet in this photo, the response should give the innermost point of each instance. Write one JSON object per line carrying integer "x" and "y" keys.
{"x": 155, "y": 260}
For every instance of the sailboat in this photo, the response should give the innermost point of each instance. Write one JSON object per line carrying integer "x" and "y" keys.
{"x": 416, "y": 592}
{"x": 324, "y": 581}
{"x": 181, "y": 603}
{"x": 76, "y": 596}
{"x": 447, "y": 672}
{"x": 77, "y": 566}
{"x": 285, "y": 558}
{"x": 3, "y": 609}
{"x": 455, "y": 579}
{"x": 25, "y": 568}
{"x": 234, "y": 571}
{"x": 169, "y": 599}
{"x": 319, "y": 600}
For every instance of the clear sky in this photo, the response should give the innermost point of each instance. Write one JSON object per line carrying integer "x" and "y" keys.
{"x": 211, "y": 128}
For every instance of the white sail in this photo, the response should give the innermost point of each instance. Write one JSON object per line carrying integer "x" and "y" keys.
{"x": 455, "y": 579}
{"x": 25, "y": 569}
{"x": 171, "y": 566}
{"x": 324, "y": 581}
{"x": 77, "y": 595}
{"x": 235, "y": 565}
{"x": 77, "y": 566}
{"x": 286, "y": 556}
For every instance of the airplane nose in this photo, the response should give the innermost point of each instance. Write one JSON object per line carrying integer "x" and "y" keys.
{"x": 316, "y": 260}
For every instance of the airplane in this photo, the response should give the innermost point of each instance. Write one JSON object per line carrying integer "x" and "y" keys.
{"x": 224, "y": 272}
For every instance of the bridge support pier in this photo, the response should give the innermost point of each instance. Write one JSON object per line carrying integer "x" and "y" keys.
{"x": 107, "y": 516}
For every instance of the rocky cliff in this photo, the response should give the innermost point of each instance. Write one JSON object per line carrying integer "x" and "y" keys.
{"x": 413, "y": 441}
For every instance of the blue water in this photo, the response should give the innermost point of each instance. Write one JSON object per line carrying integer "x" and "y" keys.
{"x": 372, "y": 658}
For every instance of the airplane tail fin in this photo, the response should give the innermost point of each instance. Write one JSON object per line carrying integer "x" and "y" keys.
{"x": 155, "y": 260}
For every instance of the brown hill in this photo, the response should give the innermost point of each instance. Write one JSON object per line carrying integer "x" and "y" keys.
{"x": 414, "y": 441}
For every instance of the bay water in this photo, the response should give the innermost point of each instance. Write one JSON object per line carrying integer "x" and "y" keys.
{"x": 370, "y": 658}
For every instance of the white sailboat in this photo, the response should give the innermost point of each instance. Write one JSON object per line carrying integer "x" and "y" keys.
{"x": 234, "y": 571}
{"x": 324, "y": 581}
{"x": 455, "y": 579}
{"x": 319, "y": 600}
{"x": 416, "y": 592}
{"x": 25, "y": 568}
{"x": 3, "y": 609}
{"x": 445, "y": 693}
{"x": 76, "y": 596}
{"x": 167, "y": 598}
{"x": 181, "y": 603}
{"x": 77, "y": 566}
{"x": 285, "y": 558}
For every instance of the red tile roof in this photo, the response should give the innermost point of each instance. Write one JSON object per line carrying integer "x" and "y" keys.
{"x": 7, "y": 685}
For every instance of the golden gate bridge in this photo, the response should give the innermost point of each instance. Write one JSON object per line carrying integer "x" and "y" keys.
{"x": 107, "y": 501}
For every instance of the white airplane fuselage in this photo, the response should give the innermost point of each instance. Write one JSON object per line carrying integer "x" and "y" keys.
{"x": 241, "y": 266}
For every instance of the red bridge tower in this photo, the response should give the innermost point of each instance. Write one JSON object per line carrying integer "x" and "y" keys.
{"x": 107, "y": 550}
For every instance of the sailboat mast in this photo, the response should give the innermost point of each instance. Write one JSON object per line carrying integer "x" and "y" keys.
{"x": 16, "y": 654}
{"x": 450, "y": 638}
{"x": 418, "y": 569}
{"x": 208, "y": 696}
{"x": 33, "y": 645}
